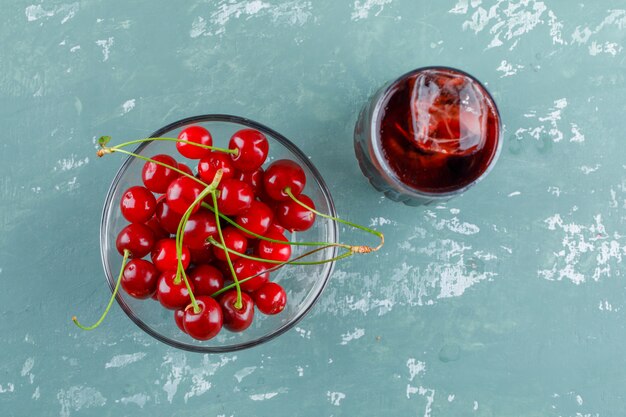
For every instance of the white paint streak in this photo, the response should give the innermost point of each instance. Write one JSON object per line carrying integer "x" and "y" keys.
{"x": 120, "y": 361}
{"x": 71, "y": 162}
{"x": 105, "y": 44}
{"x": 361, "y": 9}
{"x": 37, "y": 12}
{"x": 588, "y": 245}
{"x": 8, "y": 388}
{"x": 28, "y": 366}
{"x": 37, "y": 394}
{"x": 456, "y": 226}
{"x": 353, "y": 335}
{"x": 138, "y": 399}
{"x": 242, "y": 373}
{"x": 505, "y": 21}
{"x": 450, "y": 398}
{"x": 306, "y": 334}
{"x": 128, "y": 105}
{"x": 514, "y": 193}
{"x": 263, "y": 397}
{"x": 198, "y": 27}
{"x": 507, "y": 69}
{"x": 548, "y": 125}
{"x": 588, "y": 170}
{"x": 335, "y": 397}
{"x": 78, "y": 397}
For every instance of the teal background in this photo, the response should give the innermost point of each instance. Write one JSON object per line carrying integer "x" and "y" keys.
{"x": 507, "y": 301}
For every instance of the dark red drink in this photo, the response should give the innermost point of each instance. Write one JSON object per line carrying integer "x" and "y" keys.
{"x": 432, "y": 133}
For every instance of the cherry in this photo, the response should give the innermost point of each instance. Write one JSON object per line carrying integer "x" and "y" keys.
{"x": 293, "y": 216}
{"x": 165, "y": 258}
{"x": 208, "y": 166}
{"x": 270, "y": 298}
{"x": 185, "y": 168}
{"x": 207, "y": 322}
{"x": 168, "y": 218}
{"x": 245, "y": 268}
{"x": 236, "y": 319}
{"x": 235, "y": 196}
{"x": 178, "y": 318}
{"x": 256, "y": 219}
{"x": 206, "y": 279}
{"x": 234, "y": 240}
{"x": 156, "y": 177}
{"x": 171, "y": 294}
{"x": 201, "y": 256}
{"x": 196, "y": 134}
{"x": 277, "y": 228}
{"x": 274, "y": 251}
{"x": 252, "y": 149}
{"x": 140, "y": 278}
{"x": 199, "y": 227}
{"x": 252, "y": 178}
{"x": 282, "y": 174}
{"x": 137, "y": 204}
{"x": 157, "y": 229}
{"x": 181, "y": 194}
{"x": 137, "y": 238}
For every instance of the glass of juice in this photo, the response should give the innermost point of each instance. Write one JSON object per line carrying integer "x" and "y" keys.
{"x": 428, "y": 136}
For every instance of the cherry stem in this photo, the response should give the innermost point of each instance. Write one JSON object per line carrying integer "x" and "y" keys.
{"x": 274, "y": 268}
{"x": 180, "y": 233}
{"x": 355, "y": 249}
{"x": 199, "y": 145}
{"x": 280, "y": 263}
{"x": 238, "y": 303}
{"x": 106, "y": 310}
{"x": 163, "y": 164}
{"x": 257, "y": 236}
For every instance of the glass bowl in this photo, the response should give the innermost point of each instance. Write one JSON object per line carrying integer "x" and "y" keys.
{"x": 303, "y": 284}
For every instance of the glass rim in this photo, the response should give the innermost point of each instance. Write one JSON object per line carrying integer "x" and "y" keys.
{"x": 333, "y": 230}
{"x": 387, "y": 172}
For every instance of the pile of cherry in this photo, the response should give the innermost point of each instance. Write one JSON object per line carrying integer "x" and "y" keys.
{"x": 257, "y": 206}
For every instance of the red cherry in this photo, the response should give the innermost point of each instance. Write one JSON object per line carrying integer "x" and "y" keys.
{"x": 274, "y": 251}
{"x": 235, "y": 197}
{"x": 234, "y": 240}
{"x": 206, "y": 279}
{"x": 181, "y": 194}
{"x": 157, "y": 229}
{"x": 136, "y": 238}
{"x": 196, "y": 134}
{"x": 171, "y": 294}
{"x": 207, "y": 322}
{"x": 185, "y": 168}
{"x": 271, "y": 298}
{"x": 178, "y": 318}
{"x": 245, "y": 268}
{"x": 157, "y": 177}
{"x": 252, "y": 178}
{"x": 201, "y": 256}
{"x": 293, "y": 216}
{"x": 165, "y": 258}
{"x": 256, "y": 219}
{"x": 208, "y": 166}
{"x": 139, "y": 278}
{"x": 137, "y": 204}
{"x": 199, "y": 227}
{"x": 276, "y": 228}
{"x": 282, "y": 174}
{"x": 168, "y": 218}
{"x": 253, "y": 148}
{"x": 236, "y": 320}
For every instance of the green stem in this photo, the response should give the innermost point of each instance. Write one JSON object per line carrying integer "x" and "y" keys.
{"x": 271, "y": 261}
{"x": 274, "y": 268}
{"x": 106, "y": 310}
{"x": 199, "y": 145}
{"x": 180, "y": 233}
{"x": 144, "y": 158}
{"x": 257, "y": 236}
{"x": 357, "y": 249}
{"x": 238, "y": 303}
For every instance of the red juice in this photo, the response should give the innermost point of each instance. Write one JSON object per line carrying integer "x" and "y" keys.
{"x": 439, "y": 130}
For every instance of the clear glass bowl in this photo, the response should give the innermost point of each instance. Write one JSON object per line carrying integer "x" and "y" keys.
{"x": 303, "y": 284}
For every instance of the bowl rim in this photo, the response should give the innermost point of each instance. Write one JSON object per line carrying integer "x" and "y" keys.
{"x": 334, "y": 229}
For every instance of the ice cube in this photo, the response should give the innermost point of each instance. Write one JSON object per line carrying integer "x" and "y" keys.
{"x": 449, "y": 113}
